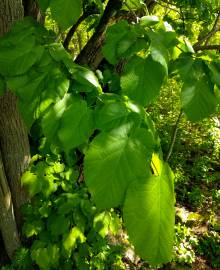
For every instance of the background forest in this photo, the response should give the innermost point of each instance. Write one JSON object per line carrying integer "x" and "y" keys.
{"x": 109, "y": 134}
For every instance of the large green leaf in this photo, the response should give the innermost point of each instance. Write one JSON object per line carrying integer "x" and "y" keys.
{"x": 215, "y": 72}
{"x": 149, "y": 216}
{"x": 51, "y": 119}
{"x": 142, "y": 79}
{"x": 198, "y": 96}
{"x": 114, "y": 35}
{"x": 44, "y": 4}
{"x": 85, "y": 79}
{"x": 76, "y": 125}
{"x": 66, "y": 12}
{"x": 21, "y": 58}
{"x": 113, "y": 161}
{"x": 115, "y": 111}
{"x": 198, "y": 99}
{"x": 158, "y": 50}
{"x": 27, "y": 86}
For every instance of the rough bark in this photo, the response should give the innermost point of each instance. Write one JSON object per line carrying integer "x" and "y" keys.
{"x": 31, "y": 8}
{"x": 15, "y": 149}
{"x": 10, "y": 11}
{"x": 13, "y": 139}
{"x": 7, "y": 219}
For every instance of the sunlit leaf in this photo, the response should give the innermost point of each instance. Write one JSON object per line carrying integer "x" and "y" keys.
{"x": 149, "y": 216}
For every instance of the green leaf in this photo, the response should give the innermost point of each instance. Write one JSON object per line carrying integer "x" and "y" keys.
{"x": 86, "y": 79}
{"x": 70, "y": 241}
{"x": 71, "y": 202}
{"x": 142, "y": 80}
{"x": 45, "y": 257}
{"x": 58, "y": 224}
{"x": 149, "y": 20}
{"x": 66, "y": 12}
{"x": 33, "y": 228}
{"x": 215, "y": 72}
{"x": 51, "y": 119}
{"x": 198, "y": 98}
{"x": 31, "y": 181}
{"x": 114, "y": 35}
{"x": 113, "y": 113}
{"x": 21, "y": 58}
{"x": 76, "y": 125}
{"x": 27, "y": 86}
{"x": 101, "y": 223}
{"x": 133, "y": 5}
{"x": 158, "y": 50}
{"x": 38, "y": 183}
{"x": 44, "y": 4}
{"x": 149, "y": 216}
{"x": 112, "y": 162}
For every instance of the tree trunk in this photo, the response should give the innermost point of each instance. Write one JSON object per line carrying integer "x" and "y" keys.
{"x": 14, "y": 146}
{"x": 15, "y": 149}
{"x": 7, "y": 220}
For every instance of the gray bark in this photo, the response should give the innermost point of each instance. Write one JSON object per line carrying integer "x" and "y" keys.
{"x": 14, "y": 146}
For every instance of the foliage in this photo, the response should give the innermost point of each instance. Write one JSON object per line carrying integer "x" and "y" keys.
{"x": 185, "y": 242}
{"x": 104, "y": 127}
{"x": 66, "y": 229}
{"x": 210, "y": 247}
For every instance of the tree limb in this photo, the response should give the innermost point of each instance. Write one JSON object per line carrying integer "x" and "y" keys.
{"x": 91, "y": 54}
{"x": 207, "y": 47}
{"x": 73, "y": 30}
{"x": 173, "y": 139}
{"x": 209, "y": 34}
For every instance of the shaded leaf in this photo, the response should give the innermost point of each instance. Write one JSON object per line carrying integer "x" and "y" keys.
{"x": 66, "y": 12}
{"x": 76, "y": 125}
{"x": 198, "y": 99}
{"x": 114, "y": 35}
{"x": 142, "y": 80}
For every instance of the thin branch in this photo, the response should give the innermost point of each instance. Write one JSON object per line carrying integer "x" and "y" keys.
{"x": 173, "y": 139}
{"x": 209, "y": 34}
{"x": 214, "y": 29}
{"x": 207, "y": 47}
{"x": 73, "y": 30}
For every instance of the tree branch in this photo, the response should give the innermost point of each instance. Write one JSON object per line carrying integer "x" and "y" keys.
{"x": 73, "y": 30}
{"x": 214, "y": 29}
{"x": 173, "y": 139}
{"x": 207, "y": 47}
{"x": 90, "y": 54}
{"x": 209, "y": 34}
